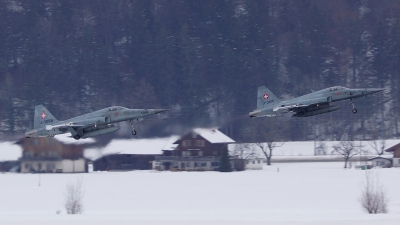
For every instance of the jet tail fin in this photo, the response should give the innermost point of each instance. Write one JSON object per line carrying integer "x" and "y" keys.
{"x": 43, "y": 117}
{"x": 265, "y": 97}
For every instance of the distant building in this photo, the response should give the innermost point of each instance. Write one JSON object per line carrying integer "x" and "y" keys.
{"x": 396, "y": 155}
{"x": 254, "y": 164}
{"x": 123, "y": 162}
{"x": 380, "y": 162}
{"x": 198, "y": 150}
{"x": 48, "y": 155}
{"x": 126, "y": 154}
{"x": 9, "y": 155}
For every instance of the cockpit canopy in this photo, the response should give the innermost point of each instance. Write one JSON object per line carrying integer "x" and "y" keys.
{"x": 115, "y": 108}
{"x": 336, "y": 88}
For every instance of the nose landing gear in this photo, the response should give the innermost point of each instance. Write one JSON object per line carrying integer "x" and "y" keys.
{"x": 133, "y": 129}
{"x": 354, "y": 108}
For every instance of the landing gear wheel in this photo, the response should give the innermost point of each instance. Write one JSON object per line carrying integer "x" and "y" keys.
{"x": 354, "y": 111}
{"x": 77, "y": 137}
{"x": 134, "y": 132}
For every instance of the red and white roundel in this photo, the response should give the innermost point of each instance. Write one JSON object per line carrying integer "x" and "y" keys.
{"x": 43, "y": 115}
{"x": 265, "y": 96}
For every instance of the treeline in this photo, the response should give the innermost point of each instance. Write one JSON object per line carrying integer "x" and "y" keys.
{"x": 203, "y": 59}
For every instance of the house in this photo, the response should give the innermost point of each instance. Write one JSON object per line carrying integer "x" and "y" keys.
{"x": 51, "y": 155}
{"x": 9, "y": 155}
{"x": 380, "y": 162}
{"x": 198, "y": 150}
{"x": 396, "y": 155}
{"x": 123, "y": 162}
{"x": 254, "y": 164}
{"x": 125, "y": 155}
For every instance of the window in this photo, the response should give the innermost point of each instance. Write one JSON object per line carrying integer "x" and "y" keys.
{"x": 214, "y": 164}
{"x": 35, "y": 142}
{"x": 194, "y": 135}
{"x": 399, "y": 161}
{"x": 199, "y": 143}
{"x": 215, "y": 152}
{"x": 204, "y": 164}
{"x": 187, "y": 164}
{"x": 186, "y": 143}
{"x": 200, "y": 153}
{"x": 50, "y": 166}
{"x": 185, "y": 153}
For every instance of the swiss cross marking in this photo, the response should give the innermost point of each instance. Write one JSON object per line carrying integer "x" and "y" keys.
{"x": 116, "y": 113}
{"x": 43, "y": 115}
{"x": 265, "y": 96}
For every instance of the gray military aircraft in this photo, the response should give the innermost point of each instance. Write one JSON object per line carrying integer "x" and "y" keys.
{"x": 311, "y": 104}
{"x": 89, "y": 125}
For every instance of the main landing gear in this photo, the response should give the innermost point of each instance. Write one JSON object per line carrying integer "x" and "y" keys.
{"x": 77, "y": 137}
{"x": 354, "y": 108}
{"x": 133, "y": 129}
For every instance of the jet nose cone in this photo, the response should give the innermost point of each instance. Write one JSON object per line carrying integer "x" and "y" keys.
{"x": 156, "y": 111}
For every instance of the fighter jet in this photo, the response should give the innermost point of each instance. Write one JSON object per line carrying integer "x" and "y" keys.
{"x": 311, "y": 104}
{"x": 103, "y": 121}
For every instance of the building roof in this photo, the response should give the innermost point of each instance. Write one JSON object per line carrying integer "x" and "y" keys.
{"x": 128, "y": 146}
{"x": 213, "y": 135}
{"x": 67, "y": 139}
{"x": 9, "y": 151}
{"x": 379, "y": 157}
{"x": 391, "y": 149}
{"x": 169, "y": 146}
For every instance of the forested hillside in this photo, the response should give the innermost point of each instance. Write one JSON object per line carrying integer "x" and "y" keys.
{"x": 202, "y": 59}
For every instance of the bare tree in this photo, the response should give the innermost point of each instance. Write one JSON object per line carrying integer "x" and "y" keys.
{"x": 373, "y": 197}
{"x": 242, "y": 153}
{"x": 347, "y": 149}
{"x": 378, "y": 146}
{"x": 73, "y": 197}
{"x": 267, "y": 148}
{"x": 321, "y": 148}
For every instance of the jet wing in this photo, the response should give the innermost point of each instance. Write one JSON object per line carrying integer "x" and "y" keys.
{"x": 280, "y": 109}
{"x": 78, "y": 124}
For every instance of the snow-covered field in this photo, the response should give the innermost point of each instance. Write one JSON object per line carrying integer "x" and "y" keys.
{"x": 300, "y": 193}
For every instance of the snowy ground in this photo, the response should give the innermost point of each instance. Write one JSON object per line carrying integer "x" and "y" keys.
{"x": 300, "y": 193}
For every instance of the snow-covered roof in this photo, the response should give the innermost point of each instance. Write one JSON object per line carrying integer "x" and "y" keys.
{"x": 170, "y": 143}
{"x": 9, "y": 151}
{"x": 67, "y": 139}
{"x": 381, "y": 157}
{"x": 213, "y": 135}
{"x": 130, "y": 146}
{"x": 391, "y": 149}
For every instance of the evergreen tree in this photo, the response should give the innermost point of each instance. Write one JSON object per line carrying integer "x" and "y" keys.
{"x": 225, "y": 164}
